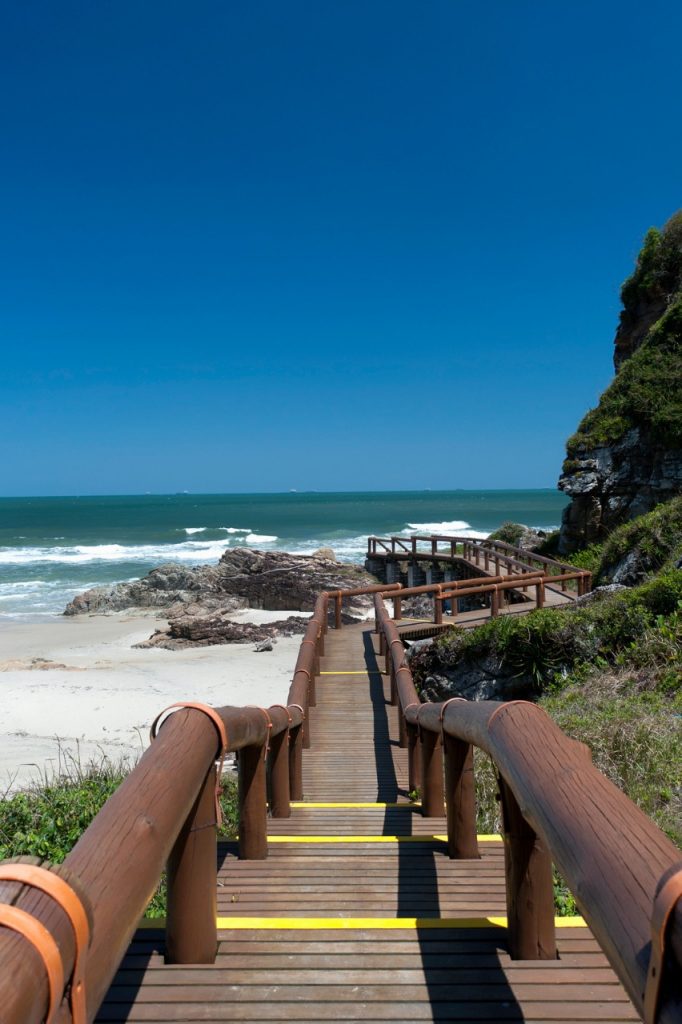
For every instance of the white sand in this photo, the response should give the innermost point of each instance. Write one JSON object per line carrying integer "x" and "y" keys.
{"x": 104, "y": 698}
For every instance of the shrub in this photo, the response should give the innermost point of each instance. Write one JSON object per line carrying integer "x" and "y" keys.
{"x": 653, "y": 540}
{"x": 510, "y": 533}
{"x": 48, "y": 819}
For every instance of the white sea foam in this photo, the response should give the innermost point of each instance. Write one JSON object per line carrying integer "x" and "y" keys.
{"x": 195, "y": 529}
{"x": 450, "y": 528}
{"x": 81, "y": 554}
{"x": 259, "y": 538}
{"x": 346, "y": 549}
{"x": 234, "y": 529}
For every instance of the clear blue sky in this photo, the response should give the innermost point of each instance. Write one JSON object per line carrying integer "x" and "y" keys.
{"x": 329, "y": 245}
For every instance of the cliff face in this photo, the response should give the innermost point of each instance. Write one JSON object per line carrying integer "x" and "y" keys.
{"x": 626, "y": 456}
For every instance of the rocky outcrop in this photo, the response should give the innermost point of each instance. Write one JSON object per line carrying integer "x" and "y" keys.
{"x": 626, "y": 456}
{"x": 167, "y": 585}
{"x": 487, "y": 679}
{"x": 189, "y": 631}
{"x": 243, "y": 578}
{"x": 614, "y": 483}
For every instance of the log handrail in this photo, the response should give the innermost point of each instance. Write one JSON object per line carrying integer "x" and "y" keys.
{"x": 614, "y": 859}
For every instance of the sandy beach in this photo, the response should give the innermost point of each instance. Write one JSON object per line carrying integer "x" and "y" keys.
{"x": 76, "y": 687}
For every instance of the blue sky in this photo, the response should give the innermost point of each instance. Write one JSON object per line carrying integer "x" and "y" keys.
{"x": 330, "y": 245}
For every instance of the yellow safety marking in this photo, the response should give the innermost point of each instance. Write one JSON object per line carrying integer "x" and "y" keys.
{"x": 302, "y": 803}
{"x": 388, "y": 923}
{"x": 373, "y": 839}
{"x": 350, "y": 923}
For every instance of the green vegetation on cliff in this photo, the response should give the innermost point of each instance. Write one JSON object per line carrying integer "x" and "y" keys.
{"x": 645, "y": 393}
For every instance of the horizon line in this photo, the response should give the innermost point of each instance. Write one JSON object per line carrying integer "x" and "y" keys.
{"x": 289, "y": 492}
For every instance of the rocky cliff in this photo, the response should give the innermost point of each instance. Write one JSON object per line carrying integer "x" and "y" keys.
{"x": 626, "y": 456}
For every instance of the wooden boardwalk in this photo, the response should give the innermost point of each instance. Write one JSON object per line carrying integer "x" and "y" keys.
{"x": 358, "y": 913}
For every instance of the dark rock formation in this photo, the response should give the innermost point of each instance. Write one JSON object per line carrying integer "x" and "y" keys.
{"x": 487, "y": 679}
{"x": 613, "y": 483}
{"x": 626, "y": 456}
{"x": 243, "y": 578}
{"x": 167, "y": 585}
{"x": 189, "y": 631}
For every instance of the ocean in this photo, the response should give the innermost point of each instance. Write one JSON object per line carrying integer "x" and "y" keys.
{"x": 53, "y": 548}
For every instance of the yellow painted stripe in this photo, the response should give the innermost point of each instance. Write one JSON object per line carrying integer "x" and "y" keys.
{"x": 373, "y": 839}
{"x": 302, "y": 803}
{"x": 355, "y": 923}
{"x": 386, "y": 923}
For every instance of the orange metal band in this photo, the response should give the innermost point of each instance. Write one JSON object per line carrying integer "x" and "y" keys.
{"x": 268, "y": 722}
{"x": 284, "y": 708}
{"x": 664, "y": 904}
{"x": 445, "y": 704}
{"x": 62, "y": 893}
{"x": 222, "y": 750}
{"x": 37, "y": 934}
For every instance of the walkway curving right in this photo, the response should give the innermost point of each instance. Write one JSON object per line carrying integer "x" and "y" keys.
{"x": 358, "y": 913}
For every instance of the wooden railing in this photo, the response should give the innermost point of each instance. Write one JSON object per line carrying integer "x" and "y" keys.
{"x": 483, "y": 553}
{"x": 557, "y": 807}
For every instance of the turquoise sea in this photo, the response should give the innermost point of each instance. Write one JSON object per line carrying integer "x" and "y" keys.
{"x": 53, "y": 548}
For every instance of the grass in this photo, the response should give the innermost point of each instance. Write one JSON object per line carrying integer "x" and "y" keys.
{"x": 48, "y": 819}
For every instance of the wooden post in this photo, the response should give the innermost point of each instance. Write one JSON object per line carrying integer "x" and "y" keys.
{"x": 280, "y": 801}
{"x": 337, "y": 611}
{"x": 394, "y": 688}
{"x": 193, "y": 883}
{"x": 433, "y": 804}
{"x": 540, "y": 595}
{"x": 402, "y": 727}
{"x": 296, "y": 763}
{"x": 494, "y": 603}
{"x": 253, "y": 831}
{"x": 305, "y": 727}
{"x": 413, "y": 758}
{"x": 437, "y": 609}
{"x": 460, "y": 798}
{"x": 530, "y": 894}
{"x": 397, "y": 606}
